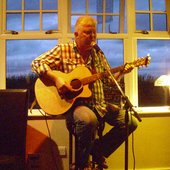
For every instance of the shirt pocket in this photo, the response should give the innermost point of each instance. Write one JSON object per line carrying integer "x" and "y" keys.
{"x": 70, "y": 64}
{"x": 69, "y": 61}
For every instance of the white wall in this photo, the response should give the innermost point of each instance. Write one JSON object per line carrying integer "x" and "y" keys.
{"x": 151, "y": 146}
{"x": 151, "y": 143}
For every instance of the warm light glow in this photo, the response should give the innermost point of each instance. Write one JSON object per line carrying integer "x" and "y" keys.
{"x": 163, "y": 80}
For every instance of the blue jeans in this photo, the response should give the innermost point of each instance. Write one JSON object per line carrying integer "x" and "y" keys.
{"x": 83, "y": 122}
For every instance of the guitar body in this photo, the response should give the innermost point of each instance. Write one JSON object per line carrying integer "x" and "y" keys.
{"x": 48, "y": 97}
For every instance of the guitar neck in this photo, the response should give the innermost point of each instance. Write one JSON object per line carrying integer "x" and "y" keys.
{"x": 139, "y": 62}
{"x": 97, "y": 76}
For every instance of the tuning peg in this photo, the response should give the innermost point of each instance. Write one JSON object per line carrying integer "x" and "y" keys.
{"x": 148, "y": 54}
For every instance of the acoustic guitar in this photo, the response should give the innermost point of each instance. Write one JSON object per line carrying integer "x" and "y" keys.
{"x": 53, "y": 103}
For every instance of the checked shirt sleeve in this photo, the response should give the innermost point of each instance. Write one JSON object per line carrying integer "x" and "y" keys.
{"x": 50, "y": 59}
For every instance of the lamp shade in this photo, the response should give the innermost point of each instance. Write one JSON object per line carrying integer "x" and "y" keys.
{"x": 163, "y": 80}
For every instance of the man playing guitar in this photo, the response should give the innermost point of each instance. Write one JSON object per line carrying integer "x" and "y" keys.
{"x": 88, "y": 107}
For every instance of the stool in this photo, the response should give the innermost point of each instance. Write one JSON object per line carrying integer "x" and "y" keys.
{"x": 100, "y": 134}
{"x": 73, "y": 165}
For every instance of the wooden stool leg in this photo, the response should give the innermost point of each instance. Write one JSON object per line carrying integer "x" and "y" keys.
{"x": 70, "y": 150}
{"x": 72, "y": 165}
{"x": 76, "y": 153}
{"x": 100, "y": 134}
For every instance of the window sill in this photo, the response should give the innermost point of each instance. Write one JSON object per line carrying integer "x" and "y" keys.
{"x": 153, "y": 111}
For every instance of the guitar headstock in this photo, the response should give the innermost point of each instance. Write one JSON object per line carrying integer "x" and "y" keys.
{"x": 144, "y": 61}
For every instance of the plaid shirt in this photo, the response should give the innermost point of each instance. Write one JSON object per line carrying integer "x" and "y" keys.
{"x": 65, "y": 58}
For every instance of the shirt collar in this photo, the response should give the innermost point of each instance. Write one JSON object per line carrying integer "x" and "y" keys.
{"x": 75, "y": 47}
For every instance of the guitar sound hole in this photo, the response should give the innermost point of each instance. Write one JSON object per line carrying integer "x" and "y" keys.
{"x": 76, "y": 84}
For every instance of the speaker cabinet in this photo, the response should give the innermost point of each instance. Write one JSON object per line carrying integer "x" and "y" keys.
{"x": 13, "y": 124}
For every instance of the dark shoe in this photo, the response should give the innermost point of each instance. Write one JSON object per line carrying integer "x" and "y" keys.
{"x": 100, "y": 161}
{"x": 97, "y": 156}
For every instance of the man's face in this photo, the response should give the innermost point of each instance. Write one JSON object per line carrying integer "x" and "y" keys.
{"x": 85, "y": 36}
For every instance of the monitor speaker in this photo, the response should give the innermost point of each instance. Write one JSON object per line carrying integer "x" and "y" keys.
{"x": 13, "y": 124}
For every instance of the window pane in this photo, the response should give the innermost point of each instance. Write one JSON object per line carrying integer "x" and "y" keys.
{"x": 50, "y": 5}
{"x": 99, "y": 6}
{"x": 159, "y": 22}
{"x": 142, "y": 5}
{"x": 99, "y": 24}
{"x": 149, "y": 94}
{"x": 78, "y": 6}
{"x": 113, "y": 50}
{"x": 112, "y": 6}
{"x": 104, "y": 11}
{"x": 92, "y": 6}
{"x": 20, "y": 53}
{"x": 32, "y": 21}
{"x": 112, "y": 24}
{"x": 50, "y": 21}
{"x": 14, "y": 22}
{"x": 14, "y": 5}
{"x": 142, "y": 22}
{"x": 158, "y": 5}
{"x": 32, "y": 4}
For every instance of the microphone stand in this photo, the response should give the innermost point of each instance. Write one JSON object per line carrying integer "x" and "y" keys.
{"x": 128, "y": 107}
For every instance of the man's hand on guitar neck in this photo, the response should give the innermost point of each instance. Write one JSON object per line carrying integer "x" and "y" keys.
{"x": 127, "y": 68}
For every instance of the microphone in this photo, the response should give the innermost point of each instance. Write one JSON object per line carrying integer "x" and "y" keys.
{"x": 96, "y": 47}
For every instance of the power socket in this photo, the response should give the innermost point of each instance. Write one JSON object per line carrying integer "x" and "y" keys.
{"x": 62, "y": 150}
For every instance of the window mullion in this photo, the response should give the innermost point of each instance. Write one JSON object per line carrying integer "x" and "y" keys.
{"x": 104, "y": 16}
{"x": 131, "y": 23}
{"x": 130, "y": 52}
{"x": 2, "y": 64}
{"x": 151, "y": 15}
{"x": 168, "y": 14}
{"x": 22, "y": 14}
{"x": 122, "y": 15}
{"x": 41, "y": 11}
{"x": 65, "y": 16}
{"x": 3, "y": 16}
{"x": 87, "y": 4}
